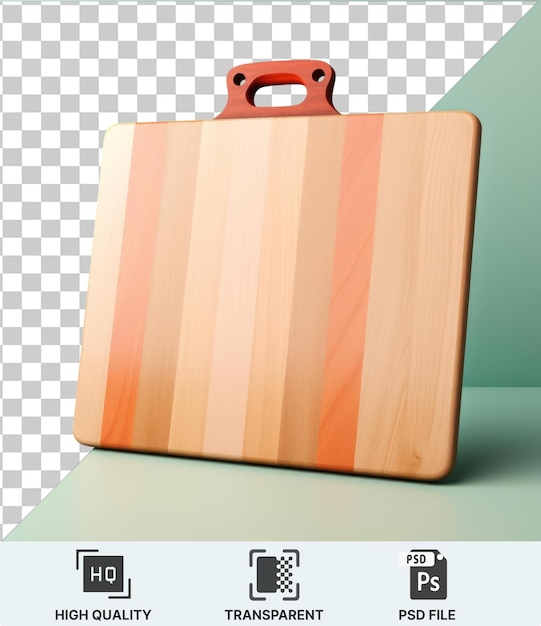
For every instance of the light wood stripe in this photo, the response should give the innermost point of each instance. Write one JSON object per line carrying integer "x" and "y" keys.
{"x": 275, "y": 294}
{"x": 387, "y": 358}
{"x": 237, "y": 293}
{"x": 100, "y": 308}
{"x": 160, "y": 348}
{"x": 349, "y": 299}
{"x": 437, "y": 336}
{"x": 133, "y": 288}
{"x": 408, "y": 403}
{"x": 201, "y": 292}
{"x": 312, "y": 290}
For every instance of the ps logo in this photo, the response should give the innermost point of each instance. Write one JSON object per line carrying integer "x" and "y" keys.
{"x": 428, "y": 574}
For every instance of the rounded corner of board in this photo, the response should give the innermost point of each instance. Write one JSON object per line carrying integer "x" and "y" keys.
{"x": 439, "y": 473}
{"x": 116, "y": 128}
{"x": 83, "y": 437}
{"x": 471, "y": 121}
{"x": 474, "y": 122}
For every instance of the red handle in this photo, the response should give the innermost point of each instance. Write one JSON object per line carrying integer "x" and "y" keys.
{"x": 244, "y": 80}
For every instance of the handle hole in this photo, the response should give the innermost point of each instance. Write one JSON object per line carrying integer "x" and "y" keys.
{"x": 279, "y": 95}
{"x": 318, "y": 75}
{"x": 239, "y": 79}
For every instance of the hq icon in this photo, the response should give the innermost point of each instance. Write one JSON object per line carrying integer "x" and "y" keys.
{"x": 103, "y": 574}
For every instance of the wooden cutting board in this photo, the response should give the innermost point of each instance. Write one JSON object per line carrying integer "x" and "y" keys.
{"x": 282, "y": 285}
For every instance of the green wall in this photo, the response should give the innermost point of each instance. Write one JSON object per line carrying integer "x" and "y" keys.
{"x": 503, "y": 345}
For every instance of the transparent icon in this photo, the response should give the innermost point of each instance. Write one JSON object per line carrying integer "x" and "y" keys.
{"x": 275, "y": 575}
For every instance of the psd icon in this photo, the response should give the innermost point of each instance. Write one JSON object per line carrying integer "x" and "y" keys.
{"x": 428, "y": 574}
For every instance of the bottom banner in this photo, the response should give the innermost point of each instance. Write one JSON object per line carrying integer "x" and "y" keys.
{"x": 333, "y": 583}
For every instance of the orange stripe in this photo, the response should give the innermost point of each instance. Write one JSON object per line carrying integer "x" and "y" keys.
{"x": 349, "y": 299}
{"x": 312, "y": 291}
{"x": 133, "y": 290}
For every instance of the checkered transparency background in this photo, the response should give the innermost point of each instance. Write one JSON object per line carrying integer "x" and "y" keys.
{"x": 70, "y": 70}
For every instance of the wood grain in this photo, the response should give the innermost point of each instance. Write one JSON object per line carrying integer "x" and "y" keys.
{"x": 152, "y": 418}
{"x": 349, "y": 294}
{"x": 192, "y": 377}
{"x": 287, "y": 153}
{"x": 133, "y": 288}
{"x": 312, "y": 291}
{"x": 283, "y": 290}
{"x": 237, "y": 293}
{"x": 100, "y": 307}
{"x": 409, "y": 396}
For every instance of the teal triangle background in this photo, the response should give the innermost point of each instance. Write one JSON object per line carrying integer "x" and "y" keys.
{"x": 503, "y": 345}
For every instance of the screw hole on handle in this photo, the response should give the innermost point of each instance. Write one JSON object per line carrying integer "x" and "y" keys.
{"x": 318, "y": 75}
{"x": 239, "y": 79}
